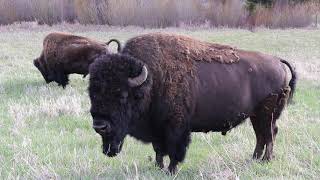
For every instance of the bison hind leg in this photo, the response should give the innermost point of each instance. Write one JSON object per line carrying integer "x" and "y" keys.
{"x": 277, "y": 109}
{"x": 260, "y": 142}
{"x": 264, "y": 123}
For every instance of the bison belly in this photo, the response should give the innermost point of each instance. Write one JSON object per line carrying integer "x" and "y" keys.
{"x": 226, "y": 94}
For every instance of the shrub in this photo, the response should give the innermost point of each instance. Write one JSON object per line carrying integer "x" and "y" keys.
{"x": 163, "y": 13}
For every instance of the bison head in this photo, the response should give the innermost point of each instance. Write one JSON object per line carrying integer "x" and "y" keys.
{"x": 119, "y": 91}
{"x": 39, "y": 65}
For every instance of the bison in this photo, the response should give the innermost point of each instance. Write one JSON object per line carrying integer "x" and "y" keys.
{"x": 161, "y": 87}
{"x": 64, "y": 54}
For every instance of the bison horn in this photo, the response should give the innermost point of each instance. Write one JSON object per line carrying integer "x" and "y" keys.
{"x": 137, "y": 81}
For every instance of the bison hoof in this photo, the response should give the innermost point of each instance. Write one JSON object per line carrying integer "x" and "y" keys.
{"x": 256, "y": 155}
{"x": 267, "y": 158}
{"x": 159, "y": 165}
{"x": 172, "y": 170}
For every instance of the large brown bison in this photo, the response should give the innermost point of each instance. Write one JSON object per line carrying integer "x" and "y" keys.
{"x": 162, "y": 87}
{"x": 64, "y": 54}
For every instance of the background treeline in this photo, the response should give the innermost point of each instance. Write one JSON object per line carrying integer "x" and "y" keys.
{"x": 163, "y": 13}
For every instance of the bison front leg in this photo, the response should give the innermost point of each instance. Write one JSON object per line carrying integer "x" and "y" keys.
{"x": 177, "y": 143}
{"x": 60, "y": 76}
{"x": 62, "y": 79}
{"x": 160, "y": 152}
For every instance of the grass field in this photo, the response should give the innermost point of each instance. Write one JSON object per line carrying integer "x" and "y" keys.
{"x": 45, "y": 131}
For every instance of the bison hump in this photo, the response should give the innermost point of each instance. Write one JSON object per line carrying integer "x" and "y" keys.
{"x": 209, "y": 52}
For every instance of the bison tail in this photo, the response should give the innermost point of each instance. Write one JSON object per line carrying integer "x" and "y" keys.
{"x": 118, "y": 43}
{"x": 293, "y": 81}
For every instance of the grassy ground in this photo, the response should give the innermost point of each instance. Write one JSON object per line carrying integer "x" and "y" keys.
{"x": 45, "y": 131}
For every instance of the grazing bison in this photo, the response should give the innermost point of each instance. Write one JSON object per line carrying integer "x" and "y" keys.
{"x": 162, "y": 87}
{"x": 64, "y": 54}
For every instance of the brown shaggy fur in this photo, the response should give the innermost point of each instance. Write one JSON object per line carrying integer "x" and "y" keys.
{"x": 178, "y": 55}
{"x": 188, "y": 89}
{"x": 64, "y": 54}
{"x": 175, "y": 62}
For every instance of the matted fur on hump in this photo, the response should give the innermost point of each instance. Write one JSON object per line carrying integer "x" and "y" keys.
{"x": 201, "y": 51}
{"x": 174, "y": 58}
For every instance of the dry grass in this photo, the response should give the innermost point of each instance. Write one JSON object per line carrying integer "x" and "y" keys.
{"x": 286, "y": 15}
{"x": 46, "y": 131}
{"x": 158, "y": 13}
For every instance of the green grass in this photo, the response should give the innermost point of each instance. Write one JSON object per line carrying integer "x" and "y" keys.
{"x": 45, "y": 131}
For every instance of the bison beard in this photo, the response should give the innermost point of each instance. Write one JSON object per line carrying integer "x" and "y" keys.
{"x": 175, "y": 93}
